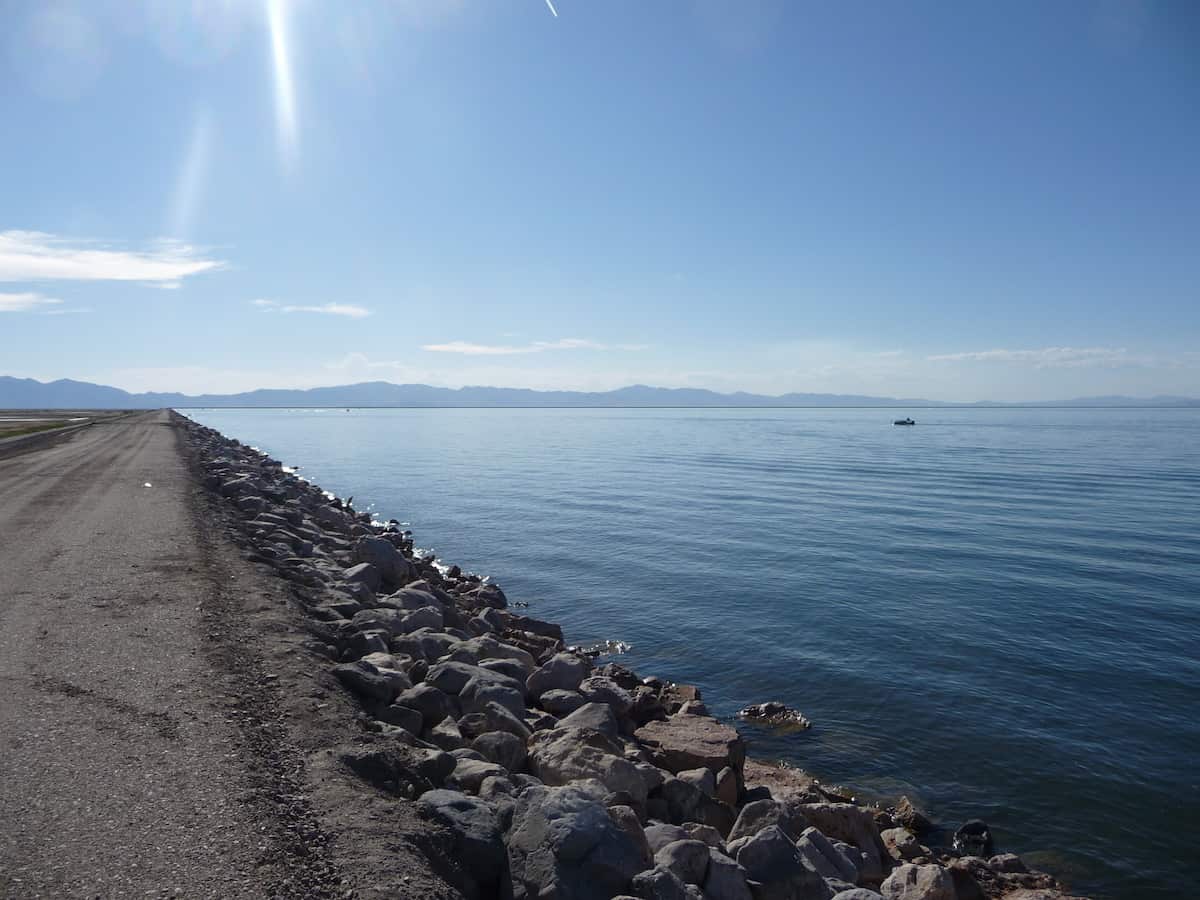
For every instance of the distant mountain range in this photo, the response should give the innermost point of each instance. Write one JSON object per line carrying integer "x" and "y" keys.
{"x": 26, "y": 393}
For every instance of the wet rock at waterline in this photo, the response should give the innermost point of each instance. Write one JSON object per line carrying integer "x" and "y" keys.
{"x": 774, "y": 715}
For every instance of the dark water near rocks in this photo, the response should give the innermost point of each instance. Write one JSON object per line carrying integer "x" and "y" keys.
{"x": 996, "y": 611}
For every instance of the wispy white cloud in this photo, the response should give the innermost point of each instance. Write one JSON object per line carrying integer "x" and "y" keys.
{"x": 470, "y": 349}
{"x": 349, "y": 310}
{"x": 331, "y": 309}
{"x": 37, "y": 256}
{"x": 1050, "y": 357}
{"x": 26, "y": 302}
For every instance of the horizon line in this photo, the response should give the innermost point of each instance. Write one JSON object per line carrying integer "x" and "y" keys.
{"x": 738, "y": 399}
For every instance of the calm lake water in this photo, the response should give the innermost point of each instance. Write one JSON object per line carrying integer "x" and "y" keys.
{"x": 995, "y": 611}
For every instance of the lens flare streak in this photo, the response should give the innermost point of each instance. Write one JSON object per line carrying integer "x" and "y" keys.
{"x": 285, "y": 90}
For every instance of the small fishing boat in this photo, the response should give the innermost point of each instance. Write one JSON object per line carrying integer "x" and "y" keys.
{"x": 904, "y": 422}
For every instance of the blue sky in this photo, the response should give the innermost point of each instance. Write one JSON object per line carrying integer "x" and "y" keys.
{"x": 960, "y": 200}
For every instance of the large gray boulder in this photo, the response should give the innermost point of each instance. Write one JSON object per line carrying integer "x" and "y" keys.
{"x": 447, "y": 735}
{"x": 601, "y": 689}
{"x": 705, "y": 779}
{"x": 910, "y": 882}
{"x": 403, "y": 771}
{"x": 432, "y": 644}
{"x": 393, "y": 568}
{"x": 357, "y": 644}
{"x": 425, "y": 617}
{"x": 685, "y": 742}
{"x": 705, "y": 833}
{"x": 659, "y": 883}
{"x": 477, "y": 649}
{"x": 563, "y": 844}
{"x": 330, "y": 518}
{"x": 502, "y": 748}
{"x": 561, "y": 703}
{"x": 478, "y": 692}
{"x": 686, "y": 859}
{"x": 476, "y": 839}
{"x": 627, "y": 818}
{"x": 597, "y": 716}
{"x": 902, "y": 844}
{"x": 771, "y": 859}
{"x": 652, "y": 775}
{"x": 385, "y": 619}
{"x": 855, "y": 825}
{"x": 409, "y": 599}
{"x": 492, "y": 717}
{"x": 402, "y": 717}
{"x": 725, "y": 879}
{"x": 365, "y": 574}
{"x": 509, "y": 667}
{"x": 687, "y": 803}
{"x": 658, "y": 836}
{"x": 432, "y": 704}
{"x": 824, "y": 858}
{"x": 563, "y": 672}
{"x": 371, "y": 682}
{"x": 469, "y": 774}
{"x": 563, "y": 755}
{"x": 452, "y": 676}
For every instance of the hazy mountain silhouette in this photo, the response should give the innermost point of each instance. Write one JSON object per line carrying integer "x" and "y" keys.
{"x": 27, "y": 393}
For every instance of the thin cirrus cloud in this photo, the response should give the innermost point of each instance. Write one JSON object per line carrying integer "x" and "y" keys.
{"x": 36, "y": 256}
{"x": 469, "y": 349}
{"x": 1049, "y": 357}
{"x": 349, "y": 310}
{"x": 27, "y": 302}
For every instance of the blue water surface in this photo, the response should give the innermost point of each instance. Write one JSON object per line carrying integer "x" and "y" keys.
{"x": 995, "y": 611}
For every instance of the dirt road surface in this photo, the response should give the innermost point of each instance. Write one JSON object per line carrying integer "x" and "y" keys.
{"x": 158, "y": 724}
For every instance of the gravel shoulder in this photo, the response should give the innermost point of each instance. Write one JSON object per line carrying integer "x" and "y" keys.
{"x": 163, "y": 730}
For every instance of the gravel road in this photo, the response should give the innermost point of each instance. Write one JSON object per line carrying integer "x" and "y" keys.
{"x": 145, "y": 748}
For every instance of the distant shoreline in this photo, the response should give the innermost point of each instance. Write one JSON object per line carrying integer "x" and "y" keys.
{"x": 30, "y": 393}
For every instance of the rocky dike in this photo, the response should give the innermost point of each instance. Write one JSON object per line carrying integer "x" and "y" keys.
{"x": 538, "y": 772}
